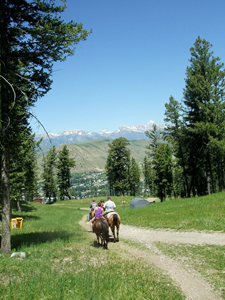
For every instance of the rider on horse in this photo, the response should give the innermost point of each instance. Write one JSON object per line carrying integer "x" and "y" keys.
{"x": 98, "y": 214}
{"x": 109, "y": 206}
{"x": 92, "y": 207}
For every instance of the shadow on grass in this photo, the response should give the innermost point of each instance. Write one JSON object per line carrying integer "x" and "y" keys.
{"x": 36, "y": 238}
{"x": 96, "y": 245}
{"x": 27, "y": 217}
{"x": 24, "y": 206}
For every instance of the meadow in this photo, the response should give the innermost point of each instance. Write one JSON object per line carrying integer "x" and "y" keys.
{"x": 63, "y": 262}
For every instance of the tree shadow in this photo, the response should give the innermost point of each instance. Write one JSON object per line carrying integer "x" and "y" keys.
{"x": 36, "y": 238}
{"x": 26, "y": 207}
{"x": 27, "y": 217}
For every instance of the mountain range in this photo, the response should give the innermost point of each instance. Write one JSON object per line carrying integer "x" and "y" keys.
{"x": 133, "y": 132}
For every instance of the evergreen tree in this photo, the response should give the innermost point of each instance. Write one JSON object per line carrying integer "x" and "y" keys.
{"x": 49, "y": 175}
{"x": 162, "y": 162}
{"x": 134, "y": 177}
{"x": 117, "y": 165}
{"x": 204, "y": 115}
{"x": 64, "y": 164}
{"x": 146, "y": 173}
{"x": 174, "y": 133}
{"x": 149, "y": 176}
{"x": 23, "y": 175}
{"x": 33, "y": 37}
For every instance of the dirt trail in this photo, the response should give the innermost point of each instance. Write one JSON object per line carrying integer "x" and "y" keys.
{"x": 190, "y": 282}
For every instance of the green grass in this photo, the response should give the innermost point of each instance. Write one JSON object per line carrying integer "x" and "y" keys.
{"x": 199, "y": 213}
{"x": 62, "y": 263}
{"x": 208, "y": 260}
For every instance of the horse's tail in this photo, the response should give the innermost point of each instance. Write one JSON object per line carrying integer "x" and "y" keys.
{"x": 105, "y": 231}
{"x": 115, "y": 217}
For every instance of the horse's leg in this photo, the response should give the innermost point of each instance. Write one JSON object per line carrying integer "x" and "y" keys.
{"x": 102, "y": 240}
{"x": 98, "y": 239}
{"x": 113, "y": 232}
{"x": 117, "y": 228}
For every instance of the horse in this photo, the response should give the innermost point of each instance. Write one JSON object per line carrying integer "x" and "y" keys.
{"x": 114, "y": 221}
{"x": 92, "y": 214}
{"x": 101, "y": 229}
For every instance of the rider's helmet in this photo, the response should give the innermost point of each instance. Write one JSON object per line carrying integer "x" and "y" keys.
{"x": 102, "y": 200}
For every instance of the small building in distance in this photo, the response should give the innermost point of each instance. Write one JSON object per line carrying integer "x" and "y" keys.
{"x": 37, "y": 200}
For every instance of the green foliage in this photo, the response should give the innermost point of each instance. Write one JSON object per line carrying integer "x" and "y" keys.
{"x": 158, "y": 171}
{"x": 162, "y": 162}
{"x": 49, "y": 182}
{"x": 195, "y": 128}
{"x": 64, "y": 164}
{"x": 23, "y": 175}
{"x": 134, "y": 178}
{"x": 117, "y": 165}
{"x": 33, "y": 37}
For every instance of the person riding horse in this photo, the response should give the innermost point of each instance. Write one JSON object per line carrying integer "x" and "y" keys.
{"x": 112, "y": 217}
{"x": 92, "y": 207}
{"x": 109, "y": 206}
{"x": 98, "y": 214}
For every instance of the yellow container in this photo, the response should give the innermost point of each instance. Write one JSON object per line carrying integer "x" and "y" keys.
{"x": 17, "y": 223}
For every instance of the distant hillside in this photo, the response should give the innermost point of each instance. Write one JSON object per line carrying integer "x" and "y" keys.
{"x": 91, "y": 156}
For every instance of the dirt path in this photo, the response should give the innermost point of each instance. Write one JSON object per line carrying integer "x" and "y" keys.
{"x": 190, "y": 282}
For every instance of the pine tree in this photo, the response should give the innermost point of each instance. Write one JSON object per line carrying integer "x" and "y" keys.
{"x": 49, "y": 175}
{"x": 33, "y": 37}
{"x": 149, "y": 176}
{"x": 162, "y": 162}
{"x": 23, "y": 174}
{"x": 174, "y": 133}
{"x": 204, "y": 96}
{"x": 64, "y": 165}
{"x": 134, "y": 177}
{"x": 117, "y": 165}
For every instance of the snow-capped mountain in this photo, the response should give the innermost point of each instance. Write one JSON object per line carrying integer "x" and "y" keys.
{"x": 133, "y": 132}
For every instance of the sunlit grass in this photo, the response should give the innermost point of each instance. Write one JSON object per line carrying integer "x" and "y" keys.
{"x": 199, "y": 213}
{"x": 208, "y": 260}
{"x": 62, "y": 263}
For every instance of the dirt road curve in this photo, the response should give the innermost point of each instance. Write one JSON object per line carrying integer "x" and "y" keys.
{"x": 190, "y": 282}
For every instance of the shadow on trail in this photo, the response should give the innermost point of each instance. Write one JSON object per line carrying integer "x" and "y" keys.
{"x": 111, "y": 240}
{"x": 36, "y": 238}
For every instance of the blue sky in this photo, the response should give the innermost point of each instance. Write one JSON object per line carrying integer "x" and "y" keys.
{"x": 134, "y": 60}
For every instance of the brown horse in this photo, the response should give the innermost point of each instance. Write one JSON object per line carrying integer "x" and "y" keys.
{"x": 101, "y": 229}
{"x": 114, "y": 221}
{"x": 92, "y": 214}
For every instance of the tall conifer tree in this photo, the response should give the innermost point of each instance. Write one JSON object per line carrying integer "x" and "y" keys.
{"x": 64, "y": 165}
{"x": 33, "y": 37}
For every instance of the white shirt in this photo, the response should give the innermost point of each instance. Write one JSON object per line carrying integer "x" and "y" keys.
{"x": 109, "y": 206}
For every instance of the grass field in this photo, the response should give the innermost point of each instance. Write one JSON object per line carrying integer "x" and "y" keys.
{"x": 62, "y": 262}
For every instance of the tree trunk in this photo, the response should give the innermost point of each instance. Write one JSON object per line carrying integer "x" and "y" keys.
{"x": 6, "y": 237}
{"x": 18, "y": 205}
{"x": 4, "y": 122}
